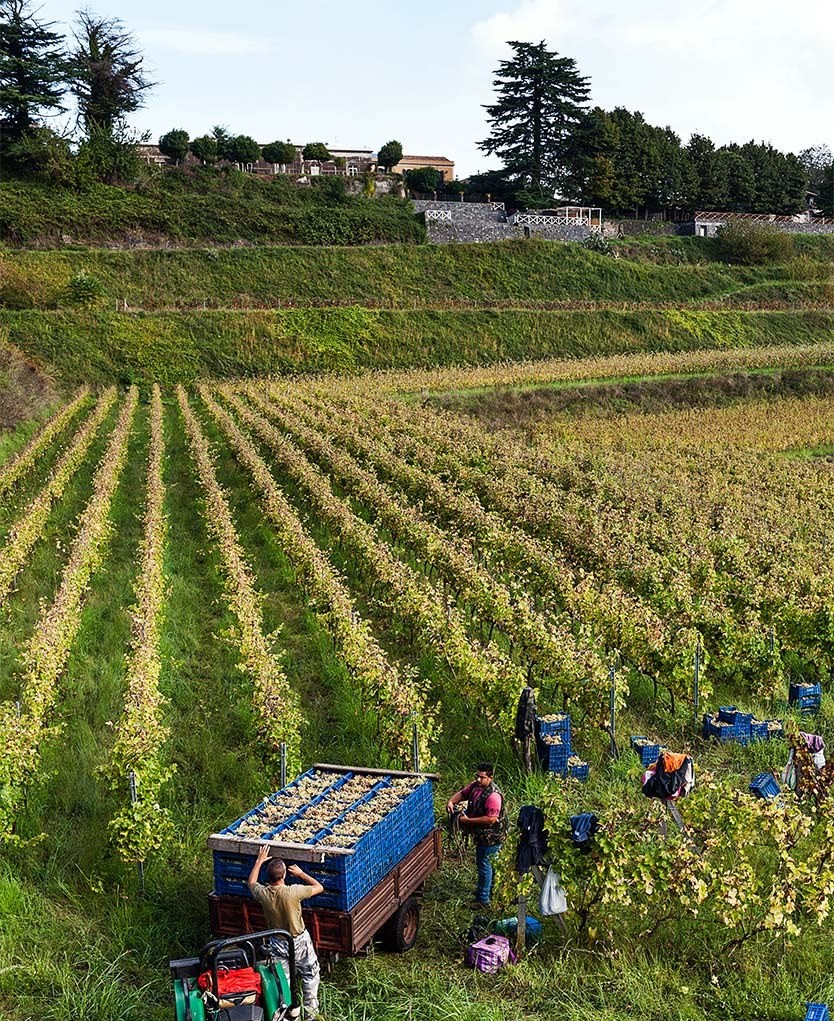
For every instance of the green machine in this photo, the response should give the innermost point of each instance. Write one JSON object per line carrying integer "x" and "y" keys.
{"x": 236, "y": 979}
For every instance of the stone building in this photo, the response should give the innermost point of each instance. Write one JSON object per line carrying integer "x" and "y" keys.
{"x": 441, "y": 163}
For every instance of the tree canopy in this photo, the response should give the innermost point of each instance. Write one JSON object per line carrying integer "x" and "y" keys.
{"x": 279, "y": 152}
{"x": 316, "y": 151}
{"x": 423, "y": 179}
{"x": 106, "y": 72}
{"x": 174, "y": 144}
{"x": 390, "y": 154}
{"x": 541, "y": 99}
{"x": 205, "y": 148}
{"x": 32, "y": 70}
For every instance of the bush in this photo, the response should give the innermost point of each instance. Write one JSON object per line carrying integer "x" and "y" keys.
{"x": 84, "y": 290}
{"x": 804, "y": 268}
{"x": 597, "y": 242}
{"x": 753, "y": 244}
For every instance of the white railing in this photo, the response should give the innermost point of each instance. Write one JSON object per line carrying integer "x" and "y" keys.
{"x": 498, "y": 206}
{"x": 438, "y": 214}
{"x": 537, "y": 220}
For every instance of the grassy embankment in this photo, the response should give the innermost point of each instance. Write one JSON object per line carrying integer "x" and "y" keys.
{"x": 201, "y": 207}
{"x": 224, "y": 313}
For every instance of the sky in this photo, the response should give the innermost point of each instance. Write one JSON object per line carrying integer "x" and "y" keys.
{"x": 356, "y": 74}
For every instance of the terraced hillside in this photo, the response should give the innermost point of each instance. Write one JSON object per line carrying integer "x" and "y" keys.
{"x": 191, "y": 577}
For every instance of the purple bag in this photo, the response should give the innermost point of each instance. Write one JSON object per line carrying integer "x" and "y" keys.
{"x": 490, "y": 954}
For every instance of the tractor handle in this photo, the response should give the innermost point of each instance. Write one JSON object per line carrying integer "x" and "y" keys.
{"x": 211, "y": 952}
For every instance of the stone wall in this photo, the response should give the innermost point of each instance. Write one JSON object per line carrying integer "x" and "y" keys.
{"x": 800, "y": 227}
{"x": 480, "y": 211}
{"x": 636, "y": 228}
{"x": 473, "y": 222}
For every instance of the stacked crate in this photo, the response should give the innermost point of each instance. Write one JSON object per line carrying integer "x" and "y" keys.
{"x": 347, "y": 873}
{"x": 816, "y": 1012}
{"x": 806, "y": 697}
{"x": 645, "y": 750}
{"x": 553, "y": 742}
{"x": 730, "y": 725}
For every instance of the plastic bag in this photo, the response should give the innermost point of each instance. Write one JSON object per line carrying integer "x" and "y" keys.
{"x": 553, "y": 899}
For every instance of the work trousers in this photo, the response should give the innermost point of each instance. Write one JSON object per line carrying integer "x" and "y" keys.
{"x": 483, "y": 859}
{"x": 307, "y": 969}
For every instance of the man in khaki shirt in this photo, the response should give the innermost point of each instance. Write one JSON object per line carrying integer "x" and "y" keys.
{"x": 282, "y": 909}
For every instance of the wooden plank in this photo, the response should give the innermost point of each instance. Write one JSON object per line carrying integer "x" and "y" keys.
{"x": 314, "y": 853}
{"x": 367, "y": 771}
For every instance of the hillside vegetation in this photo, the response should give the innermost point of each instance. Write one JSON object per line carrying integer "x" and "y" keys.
{"x": 512, "y": 272}
{"x": 180, "y": 346}
{"x": 201, "y": 207}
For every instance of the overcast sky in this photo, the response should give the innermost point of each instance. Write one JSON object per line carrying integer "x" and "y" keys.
{"x": 356, "y": 74}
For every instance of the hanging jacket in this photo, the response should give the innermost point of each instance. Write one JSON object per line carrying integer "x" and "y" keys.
{"x": 673, "y": 777}
{"x": 525, "y": 716}
{"x": 532, "y": 845}
{"x": 582, "y": 829}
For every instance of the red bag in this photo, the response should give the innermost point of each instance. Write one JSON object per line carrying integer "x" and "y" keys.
{"x": 241, "y": 980}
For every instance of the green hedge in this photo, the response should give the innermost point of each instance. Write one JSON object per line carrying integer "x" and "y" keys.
{"x": 177, "y": 347}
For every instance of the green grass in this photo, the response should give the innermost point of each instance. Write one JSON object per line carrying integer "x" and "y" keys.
{"x": 510, "y": 272}
{"x": 179, "y": 347}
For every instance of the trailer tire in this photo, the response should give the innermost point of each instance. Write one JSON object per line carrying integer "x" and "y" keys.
{"x": 400, "y": 932}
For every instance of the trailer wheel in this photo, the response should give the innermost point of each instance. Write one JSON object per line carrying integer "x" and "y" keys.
{"x": 400, "y": 931}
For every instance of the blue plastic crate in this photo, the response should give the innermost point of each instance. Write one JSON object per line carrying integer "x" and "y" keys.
{"x": 773, "y": 734}
{"x": 727, "y": 713}
{"x": 579, "y": 771}
{"x": 559, "y": 726}
{"x": 801, "y": 690}
{"x": 724, "y": 734}
{"x": 765, "y": 786}
{"x": 759, "y": 730}
{"x": 816, "y": 1012}
{"x": 647, "y": 753}
{"x": 808, "y": 703}
{"x": 347, "y": 878}
{"x": 554, "y": 757}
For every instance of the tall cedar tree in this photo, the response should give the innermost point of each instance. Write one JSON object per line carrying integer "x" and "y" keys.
{"x": 541, "y": 98}
{"x": 33, "y": 70}
{"x": 106, "y": 73}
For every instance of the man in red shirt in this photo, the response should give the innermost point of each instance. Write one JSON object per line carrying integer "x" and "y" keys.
{"x": 485, "y": 805}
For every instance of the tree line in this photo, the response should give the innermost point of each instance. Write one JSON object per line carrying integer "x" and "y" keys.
{"x": 98, "y": 70}
{"x": 554, "y": 146}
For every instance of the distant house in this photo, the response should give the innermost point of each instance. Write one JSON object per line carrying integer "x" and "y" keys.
{"x": 441, "y": 163}
{"x": 345, "y": 162}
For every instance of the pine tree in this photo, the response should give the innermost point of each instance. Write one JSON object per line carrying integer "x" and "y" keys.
{"x": 541, "y": 98}
{"x": 32, "y": 70}
{"x": 107, "y": 76}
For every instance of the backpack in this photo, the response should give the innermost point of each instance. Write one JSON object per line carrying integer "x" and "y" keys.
{"x": 490, "y": 954}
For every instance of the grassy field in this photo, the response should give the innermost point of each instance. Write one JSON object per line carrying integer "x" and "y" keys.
{"x": 78, "y": 938}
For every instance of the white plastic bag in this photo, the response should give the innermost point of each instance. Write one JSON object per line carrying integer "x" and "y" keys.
{"x": 552, "y": 899}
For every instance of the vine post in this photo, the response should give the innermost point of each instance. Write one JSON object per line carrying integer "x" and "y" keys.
{"x": 415, "y": 747}
{"x": 283, "y": 755}
{"x": 134, "y": 797}
{"x": 696, "y": 684}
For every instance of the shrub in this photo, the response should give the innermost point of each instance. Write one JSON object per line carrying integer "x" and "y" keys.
{"x": 753, "y": 244}
{"x": 803, "y": 267}
{"x": 597, "y": 242}
{"x": 84, "y": 290}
